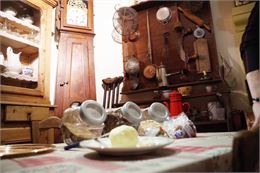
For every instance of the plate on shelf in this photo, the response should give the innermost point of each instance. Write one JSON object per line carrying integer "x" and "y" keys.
{"x": 145, "y": 145}
{"x": 24, "y": 149}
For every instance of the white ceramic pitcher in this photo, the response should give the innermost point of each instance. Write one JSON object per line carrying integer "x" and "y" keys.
{"x": 13, "y": 61}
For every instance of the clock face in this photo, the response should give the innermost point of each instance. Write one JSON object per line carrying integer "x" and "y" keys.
{"x": 77, "y": 16}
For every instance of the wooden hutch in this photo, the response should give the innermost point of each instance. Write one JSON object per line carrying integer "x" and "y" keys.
{"x": 169, "y": 55}
{"x": 25, "y": 77}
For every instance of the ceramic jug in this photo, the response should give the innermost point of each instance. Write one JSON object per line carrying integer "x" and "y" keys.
{"x": 13, "y": 61}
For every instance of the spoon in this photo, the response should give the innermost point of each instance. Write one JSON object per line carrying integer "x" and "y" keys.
{"x": 77, "y": 144}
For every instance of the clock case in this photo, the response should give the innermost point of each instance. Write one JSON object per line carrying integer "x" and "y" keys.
{"x": 61, "y": 22}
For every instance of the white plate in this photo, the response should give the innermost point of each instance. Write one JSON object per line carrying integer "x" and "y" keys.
{"x": 145, "y": 145}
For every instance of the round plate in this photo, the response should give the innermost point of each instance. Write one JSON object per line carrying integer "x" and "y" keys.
{"x": 145, "y": 145}
{"x": 24, "y": 149}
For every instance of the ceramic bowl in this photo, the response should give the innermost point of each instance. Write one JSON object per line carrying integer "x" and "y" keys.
{"x": 26, "y": 18}
{"x": 166, "y": 93}
{"x": 11, "y": 11}
{"x": 185, "y": 90}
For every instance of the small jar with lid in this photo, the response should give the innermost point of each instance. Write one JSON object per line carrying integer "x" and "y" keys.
{"x": 154, "y": 116}
{"x": 129, "y": 114}
{"x": 83, "y": 121}
{"x": 157, "y": 112}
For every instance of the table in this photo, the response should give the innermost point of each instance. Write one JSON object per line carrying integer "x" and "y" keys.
{"x": 206, "y": 152}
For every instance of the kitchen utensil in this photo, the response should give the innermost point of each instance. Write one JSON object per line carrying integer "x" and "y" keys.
{"x": 176, "y": 105}
{"x": 201, "y": 49}
{"x": 125, "y": 20}
{"x": 134, "y": 36}
{"x": 26, "y": 18}
{"x": 164, "y": 15}
{"x": 182, "y": 53}
{"x": 175, "y": 20}
{"x": 10, "y": 10}
{"x": 13, "y": 61}
{"x": 161, "y": 76}
{"x": 185, "y": 90}
{"x": 24, "y": 149}
{"x": 166, "y": 93}
{"x": 194, "y": 19}
{"x": 198, "y": 32}
{"x": 145, "y": 145}
{"x": 133, "y": 82}
{"x": 79, "y": 144}
{"x": 85, "y": 121}
{"x": 132, "y": 65}
{"x": 158, "y": 112}
{"x": 150, "y": 70}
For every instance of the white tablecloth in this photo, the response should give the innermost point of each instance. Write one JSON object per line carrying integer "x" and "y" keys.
{"x": 206, "y": 152}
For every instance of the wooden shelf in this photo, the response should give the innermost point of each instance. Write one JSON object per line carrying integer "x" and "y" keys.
{"x": 210, "y": 122}
{"x": 24, "y": 45}
{"x": 18, "y": 23}
{"x": 174, "y": 86}
{"x": 150, "y": 3}
{"x": 146, "y": 102}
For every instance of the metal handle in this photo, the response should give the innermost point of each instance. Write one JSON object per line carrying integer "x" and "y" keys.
{"x": 64, "y": 83}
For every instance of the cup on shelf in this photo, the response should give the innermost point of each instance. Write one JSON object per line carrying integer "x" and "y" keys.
{"x": 28, "y": 71}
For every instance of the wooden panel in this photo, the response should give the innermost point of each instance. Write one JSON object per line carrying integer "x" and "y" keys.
{"x": 21, "y": 113}
{"x": 172, "y": 60}
{"x": 15, "y": 135}
{"x": 75, "y": 73}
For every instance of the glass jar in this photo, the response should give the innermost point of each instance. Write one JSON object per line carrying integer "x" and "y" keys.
{"x": 83, "y": 121}
{"x": 157, "y": 112}
{"x": 129, "y": 114}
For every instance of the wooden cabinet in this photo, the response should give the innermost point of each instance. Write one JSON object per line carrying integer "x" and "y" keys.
{"x": 75, "y": 77}
{"x": 200, "y": 69}
{"x": 76, "y": 72}
{"x": 25, "y": 74}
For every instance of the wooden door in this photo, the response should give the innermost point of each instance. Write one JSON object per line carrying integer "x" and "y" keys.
{"x": 75, "y": 73}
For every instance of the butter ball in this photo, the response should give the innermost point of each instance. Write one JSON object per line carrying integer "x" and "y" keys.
{"x": 123, "y": 136}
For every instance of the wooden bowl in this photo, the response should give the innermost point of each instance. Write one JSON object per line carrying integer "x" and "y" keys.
{"x": 185, "y": 90}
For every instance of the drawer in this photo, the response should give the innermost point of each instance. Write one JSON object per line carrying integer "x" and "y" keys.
{"x": 15, "y": 135}
{"x": 22, "y": 113}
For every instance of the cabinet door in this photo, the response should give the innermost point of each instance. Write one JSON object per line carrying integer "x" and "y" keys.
{"x": 76, "y": 76}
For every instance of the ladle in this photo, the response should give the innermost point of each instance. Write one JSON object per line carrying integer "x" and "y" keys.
{"x": 150, "y": 70}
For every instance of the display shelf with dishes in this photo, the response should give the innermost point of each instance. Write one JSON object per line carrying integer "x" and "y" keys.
{"x": 17, "y": 30}
{"x": 25, "y": 34}
{"x": 20, "y": 44}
